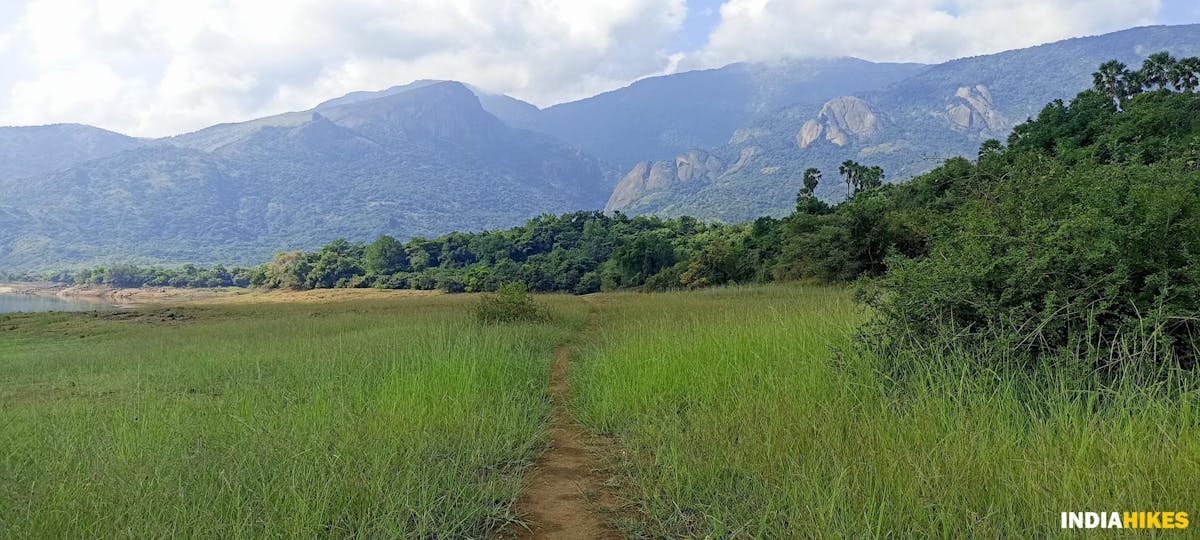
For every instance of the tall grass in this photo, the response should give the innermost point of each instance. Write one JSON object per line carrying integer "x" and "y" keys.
{"x": 377, "y": 419}
{"x": 745, "y": 414}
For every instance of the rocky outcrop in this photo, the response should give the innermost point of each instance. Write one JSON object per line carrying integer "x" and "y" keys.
{"x": 744, "y": 135}
{"x": 697, "y": 165}
{"x": 650, "y": 177}
{"x": 809, "y": 133}
{"x": 645, "y": 177}
{"x": 748, "y": 154}
{"x": 971, "y": 110}
{"x": 841, "y": 121}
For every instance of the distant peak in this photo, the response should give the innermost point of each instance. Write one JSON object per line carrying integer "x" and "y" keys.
{"x": 445, "y": 86}
{"x": 363, "y": 96}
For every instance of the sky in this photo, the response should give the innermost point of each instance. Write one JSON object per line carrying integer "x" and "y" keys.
{"x": 154, "y": 67}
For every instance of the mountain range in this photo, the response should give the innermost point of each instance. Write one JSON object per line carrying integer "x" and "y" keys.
{"x": 431, "y": 157}
{"x": 419, "y": 162}
{"x": 907, "y": 127}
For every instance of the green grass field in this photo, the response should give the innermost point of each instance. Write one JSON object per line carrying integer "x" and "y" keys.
{"x": 742, "y": 412}
{"x": 377, "y": 419}
{"x": 743, "y": 415}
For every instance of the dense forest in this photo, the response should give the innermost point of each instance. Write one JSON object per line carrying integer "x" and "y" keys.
{"x": 1082, "y": 230}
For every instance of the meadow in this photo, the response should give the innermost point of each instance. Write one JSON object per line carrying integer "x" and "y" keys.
{"x": 741, "y": 412}
{"x": 747, "y": 413}
{"x": 368, "y": 418}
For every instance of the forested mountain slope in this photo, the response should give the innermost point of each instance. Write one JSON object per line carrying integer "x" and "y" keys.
{"x": 907, "y": 128}
{"x": 420, "y": 162}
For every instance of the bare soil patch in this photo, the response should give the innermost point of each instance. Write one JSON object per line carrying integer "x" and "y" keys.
{"x": 567, "y": 497}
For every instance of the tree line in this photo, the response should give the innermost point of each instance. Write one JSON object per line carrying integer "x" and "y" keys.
{"x": 581, "y": 252}
{"x": 133, "y": 276}
{"x": 1159, "y": 71}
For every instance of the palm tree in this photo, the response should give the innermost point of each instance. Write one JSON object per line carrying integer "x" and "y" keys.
{"x": 1156, "y": 70}
{"x": 812, "y": 177}
{"x": 1112, "y": 79}
{"x": 1135, "y": 83}
{"x": 1185, "y": 74}
{"x": 806, "y": 200}
{"x": 850, "y": 171}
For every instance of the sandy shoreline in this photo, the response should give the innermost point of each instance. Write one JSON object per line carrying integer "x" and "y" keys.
{"x": 126, "y": 297}
{"x": 119, "y": 296}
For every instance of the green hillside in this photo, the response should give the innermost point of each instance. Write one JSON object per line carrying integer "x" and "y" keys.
{"x": 420, "y": 162}
{"x": 917, "y": 123}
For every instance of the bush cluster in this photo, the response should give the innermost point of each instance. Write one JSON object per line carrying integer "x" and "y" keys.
{"x": 512, "y": 302}
{"x": 1080, "y": 240}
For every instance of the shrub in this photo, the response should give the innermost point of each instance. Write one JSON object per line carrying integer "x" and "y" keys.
{"x": 589, "y": 283}
{"x": 510, "y": 303}
{"x": 355, "y": 282}
{"x": 1074, "y": 254}
{"x": 423, "y": 281}
{"x": 451, "y": 284}
{"x": 669, "y": 279}
{"x": 395, "y": 281}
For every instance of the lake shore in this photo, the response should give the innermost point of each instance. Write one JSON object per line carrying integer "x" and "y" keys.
{"x": 133, "y": 297}
{"x": 119, "y": 296}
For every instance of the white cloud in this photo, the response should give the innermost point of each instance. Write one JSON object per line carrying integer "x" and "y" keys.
{"x": 153, "y": 67}
{"x": 148, "y": 67}
{"x": 908, "y": 30}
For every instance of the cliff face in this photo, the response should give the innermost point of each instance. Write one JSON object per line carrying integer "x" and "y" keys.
{"x": 649, "y": 177}
{"x": 697, "y": 165}
{"x": 971, "y": 110}
{"x": 645, "y": 177}
{"x": 842, "y": 120}
{"x": 700, "y": 109}
{"x": 748, "y": 153}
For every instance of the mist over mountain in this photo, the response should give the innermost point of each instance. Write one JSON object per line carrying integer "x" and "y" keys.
{"x": 432, "y": 157}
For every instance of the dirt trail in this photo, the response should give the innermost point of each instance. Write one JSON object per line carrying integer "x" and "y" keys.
{"x": 563, "y": 497}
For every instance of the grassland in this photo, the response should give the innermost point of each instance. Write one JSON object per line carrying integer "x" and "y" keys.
{"x": 743, "y": 414}
{"x": 374, "y": 418}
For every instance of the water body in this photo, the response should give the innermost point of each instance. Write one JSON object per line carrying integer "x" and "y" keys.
{"x": 14, "y": 303}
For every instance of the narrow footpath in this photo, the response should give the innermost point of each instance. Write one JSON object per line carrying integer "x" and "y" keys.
{"x": 565, "y": 492}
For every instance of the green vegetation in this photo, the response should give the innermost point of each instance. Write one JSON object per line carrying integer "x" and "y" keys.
{"x": 1159, "y": 71}
{"x": 512, "y": 303}
{"x": 914, "y": 133}
{"x": 581, "y": 253}
{"x": 127, "y": 275}
{"x": 1079, "y": 239}
{"x": 658, "y": 117}
{"x": 858, "y": 177}
{"x": 1024, "y": 343}
{"x": 368, "y": 418}
{"x": 744, "y": 412}
{"x": 737, "y": 421}
{"x": 1079, "y": 242}
{"x": 434, "y": 157}
{"x": 425, "y": 160}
